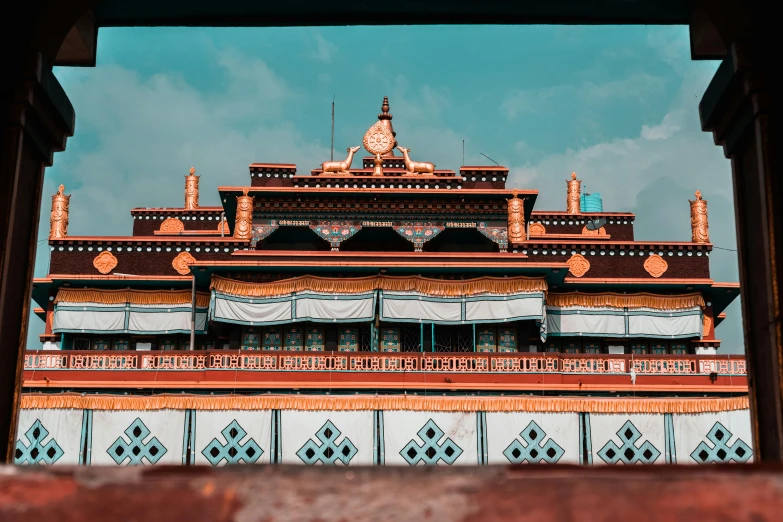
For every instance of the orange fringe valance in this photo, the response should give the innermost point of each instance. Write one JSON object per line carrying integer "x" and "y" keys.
{"x": 641, "y": 300}
{"x": 127, "y": 295}
{"x": 395, "y": 402}
{"x": 434, "y": 287}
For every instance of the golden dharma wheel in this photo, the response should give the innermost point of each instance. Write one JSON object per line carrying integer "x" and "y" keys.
{"x": 378, "y": 140}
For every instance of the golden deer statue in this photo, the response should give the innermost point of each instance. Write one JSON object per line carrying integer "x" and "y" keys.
{"x": 340, "y": 167}
{"x": 416, "y": 167}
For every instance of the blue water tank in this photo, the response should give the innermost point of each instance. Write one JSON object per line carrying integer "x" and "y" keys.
{"x": 591, "y": 203}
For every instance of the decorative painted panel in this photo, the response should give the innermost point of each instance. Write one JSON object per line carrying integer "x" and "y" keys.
{"x": 262, "y": 229}
{"x": 139, "y": 437}
{"x": 591, "y": 347}
{"x": 327, "y": 437}
{"x": 273, "y": 338}
{"x": 335, "y": 232}
{"x": 571, "y": 346}
{"x": 678, "y": 348}
{"x": 232, "y": 437}
{"x": 390, "y": 340}
{"x": 348, "y": 339}
{"x": 314, "y": 341}
{"x": 50, "y": 436}
{"x": 498, "y": 235}
{"x": 251, "y": 339}
{"x": 706, "y": 438}
{"x": 293, "y": 338}
{"x": 120, "y": 344}
{"x": 507, "y": 340}
{"x": 658, "y": 348}
{"x": 626, "y": 438}
{"x": 169, "y": 343}
{"x": 552, "y": 345}
{"x": 485, "y": 340}
{"x": 100, "y": 344}
{"x": 419, "y": 233}
{"x": 416, "y": 438}
{"x": 532, "y": 438}
{"x": 638, "y": 348}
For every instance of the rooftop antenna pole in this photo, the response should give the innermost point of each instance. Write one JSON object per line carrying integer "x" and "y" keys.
{"x": 463, "y": 153}
{"x": 331, "y": 156}
{"x": 490, "y": 159}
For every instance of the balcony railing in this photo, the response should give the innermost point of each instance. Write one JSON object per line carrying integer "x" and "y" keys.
{"x": 356, "y": 362}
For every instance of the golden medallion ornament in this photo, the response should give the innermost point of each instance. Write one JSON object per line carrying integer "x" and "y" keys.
{"x": 172, "y": 226}
{"x": 191, "y": 189}
{"x": 599, "y": 232}
{"x": 105, "y": 262}
{"x": 243, "y": 226}
{"x": 182, "y": 261}
{"x": 537, "y": 229}
{"x": 516, "y": 219}
{"x": 578, "y": 265}
{"x": 655, "y": 265}
{"x": 58, "y": 220}
{"x": 574, "y": 193}
{"x": 700, "y": 228}
{"x": 378, "y": 140}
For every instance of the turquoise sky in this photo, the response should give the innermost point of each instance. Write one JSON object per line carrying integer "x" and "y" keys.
{"x": 618, "y": 105}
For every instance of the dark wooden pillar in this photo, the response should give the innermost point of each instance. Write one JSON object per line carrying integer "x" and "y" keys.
{"x": 37, "y": 121}
{"x": 739, "y": 109}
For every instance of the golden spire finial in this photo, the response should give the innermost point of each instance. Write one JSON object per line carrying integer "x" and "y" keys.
{"x": 515, "y": 192}
{"x": 58, "y": 220}
{"x": 243, "y": 225}
{"x": 516, "y": 219}
{"x": 574, "y": 192}
{"x": 385, "y": 118}
{"x": 700, "y": 228}
{"x": 191, "y": 189}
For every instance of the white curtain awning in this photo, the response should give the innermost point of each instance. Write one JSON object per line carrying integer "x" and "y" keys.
{"x": 126, "y": 318}
{"x": 294, "y": 307}
{"x": 624, "y": 322}
{"x": 484, "y": 308}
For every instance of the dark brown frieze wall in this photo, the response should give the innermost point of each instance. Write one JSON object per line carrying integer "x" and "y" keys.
{"x": 619, "y": 226}
{"x": 606, "y": 261}
{"x": 146, "y": 222}
{"x": 155, "y": 258}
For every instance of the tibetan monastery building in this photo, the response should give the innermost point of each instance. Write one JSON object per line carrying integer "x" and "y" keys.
{"x": 392, "y": 313}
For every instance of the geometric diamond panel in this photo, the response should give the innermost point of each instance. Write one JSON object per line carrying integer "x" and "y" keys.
{"x": 136, "y": 450}
{"x": 628, "y": 452}
{"x": 718, "y": 450}
{"x": 233, "y": 451}
{"x": 35, "y": 452}
{"x": 325, "y": 449}
{"x": 534, "y": 450}
{"x": 431, "y": 450}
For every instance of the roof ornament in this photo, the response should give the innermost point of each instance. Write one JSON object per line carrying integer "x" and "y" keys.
{"x": 516, "y": 219}
{"x": 58, "y": 220}
{"x": 340, "y": 168}
{"x": 415, "y": 167}
{"x": 574, "y": 193}
{"x": 191, "y": 189}
{"x": 385, "y": 118}
{"x": 700, "y": 228}
{"x": 378, "y": 141}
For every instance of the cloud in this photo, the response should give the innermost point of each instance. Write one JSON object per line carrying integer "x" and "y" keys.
{"x": 324, "y": 49}
{"x": 637, "y": 86}
{"x": 653, "y": 175}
